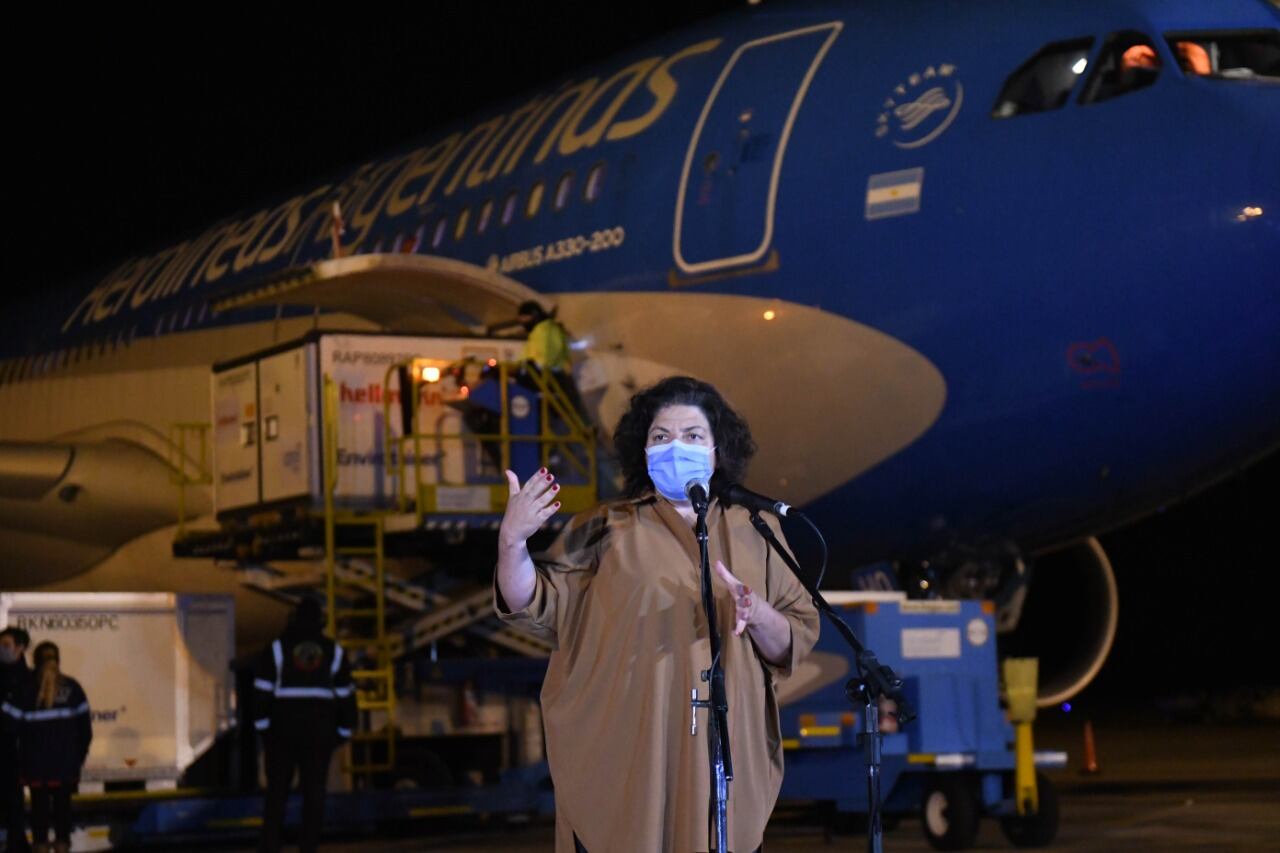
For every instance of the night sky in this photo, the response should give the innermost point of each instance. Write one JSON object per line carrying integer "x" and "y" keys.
{"x": 126, "y": 134}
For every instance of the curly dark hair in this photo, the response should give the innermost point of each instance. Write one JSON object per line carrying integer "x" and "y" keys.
{"x": 734, "y": 445}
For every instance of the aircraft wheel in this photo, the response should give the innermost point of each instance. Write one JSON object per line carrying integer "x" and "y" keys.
{"x": 949, "y": 812}
{"x": 1034, "y": 830}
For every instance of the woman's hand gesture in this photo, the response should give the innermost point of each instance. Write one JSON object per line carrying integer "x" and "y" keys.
{"x": 528, "y": 507}
{"x": 746, "y": 604}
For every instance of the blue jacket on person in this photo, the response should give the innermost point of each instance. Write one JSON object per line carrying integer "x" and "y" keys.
{"x": 53, "y": 740}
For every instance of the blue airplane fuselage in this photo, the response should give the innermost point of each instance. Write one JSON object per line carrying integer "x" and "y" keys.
{"x": 1095, "y": 283}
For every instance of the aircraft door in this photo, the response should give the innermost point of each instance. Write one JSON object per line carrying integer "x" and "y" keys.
{"x": 729, "y": 185}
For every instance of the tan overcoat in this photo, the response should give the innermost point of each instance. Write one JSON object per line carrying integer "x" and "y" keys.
{"x": 618, "y": 596}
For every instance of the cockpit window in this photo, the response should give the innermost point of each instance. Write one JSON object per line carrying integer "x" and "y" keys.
{"x": 1044, "y": 82}
{"x": 1236, "y": 55}
{"x": 1127, "y": 62}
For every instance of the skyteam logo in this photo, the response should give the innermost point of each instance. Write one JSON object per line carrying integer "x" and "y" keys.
{"x": 921, "y": 108}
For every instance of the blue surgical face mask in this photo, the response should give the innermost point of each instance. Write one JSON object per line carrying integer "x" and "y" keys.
{"x": 674, "y": 464}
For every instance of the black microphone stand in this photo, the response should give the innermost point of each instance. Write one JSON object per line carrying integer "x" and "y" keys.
{"x": 718, "y": 700}
{"x": 873, "y": 681}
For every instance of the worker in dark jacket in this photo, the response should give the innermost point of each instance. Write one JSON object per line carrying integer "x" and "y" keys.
{"x": 305, "y": 706}
{"x": 14, "y": 674}
{"x": 54, "y": 731}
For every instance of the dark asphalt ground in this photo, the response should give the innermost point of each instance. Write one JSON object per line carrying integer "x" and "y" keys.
{"x": 1162, "y": 787}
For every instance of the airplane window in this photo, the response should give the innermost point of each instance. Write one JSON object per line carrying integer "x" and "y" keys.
{"x": 595, "y": 180}
{"x": 1127, "y": 62}
{"x": 460, "y": 230}
{"x": 563, "y": 187}
{"x": 486, "y": 213}
{"x": 1239, "y": 55}
{"x": 509, "y": 208}
{"x": 535, "y": 200}
{"x": 1044, "y": 82}
{"x": 437, "y": 237}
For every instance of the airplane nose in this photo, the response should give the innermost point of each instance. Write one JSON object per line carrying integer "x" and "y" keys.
{"x": 1231, "y": 358}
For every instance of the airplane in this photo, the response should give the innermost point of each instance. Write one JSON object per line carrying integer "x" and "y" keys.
{"x": 987, "y": 280}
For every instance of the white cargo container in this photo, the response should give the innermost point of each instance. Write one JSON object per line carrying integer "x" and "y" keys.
{"x": 156, "y": 668}
{"x": 268, "y": 413}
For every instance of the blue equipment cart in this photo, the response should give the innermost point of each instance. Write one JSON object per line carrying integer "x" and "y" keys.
{"x": 956, "y": 762}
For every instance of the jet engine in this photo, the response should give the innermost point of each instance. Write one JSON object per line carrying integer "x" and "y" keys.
{"x": 1068, "y": 618}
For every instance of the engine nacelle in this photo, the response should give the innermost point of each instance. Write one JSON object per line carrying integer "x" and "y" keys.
{"x": 1068, "y": 619}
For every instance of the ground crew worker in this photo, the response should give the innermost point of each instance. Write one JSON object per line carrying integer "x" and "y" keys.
{"x": 54, "y": 731}
{"x": 548, "y": 344}
{"x": 548, "y": 347}
{"x": 14, "y": 673}
{"x": 305, "y": 707}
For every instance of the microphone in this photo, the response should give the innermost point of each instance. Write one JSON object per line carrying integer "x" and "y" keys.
{"x": 736, "y": 494}
{"x": 698, "y": 490}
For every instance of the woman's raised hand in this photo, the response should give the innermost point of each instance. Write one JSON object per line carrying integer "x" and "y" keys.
{"x": 528, "y": 507}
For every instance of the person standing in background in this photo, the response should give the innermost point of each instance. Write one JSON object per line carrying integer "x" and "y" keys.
{"x": 54, "y": 732}
{"x": 547, "y": 348}
{"x": 548, "y": 343}
{"x": 13, "y": 675}
{"x": 305, "y": 706}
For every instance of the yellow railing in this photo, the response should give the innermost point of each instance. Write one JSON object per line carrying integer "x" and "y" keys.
{"x": 361, "y": 625}
{"x": 181, "y": 463}
{"x": 376, "y": 683}
{"x": 403, "y": 456}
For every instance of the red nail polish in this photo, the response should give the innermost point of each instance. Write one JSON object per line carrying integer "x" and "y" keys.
{"x": 542, "y": 470}
{"x": 556, "y": 487}
{"x": 557, "y": 503}
{"x": 550, "y": 478}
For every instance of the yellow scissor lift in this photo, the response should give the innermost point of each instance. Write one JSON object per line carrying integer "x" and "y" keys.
{"x": 358, "y": 600}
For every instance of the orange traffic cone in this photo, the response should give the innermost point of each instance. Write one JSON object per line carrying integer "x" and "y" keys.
{"x": 1090, "y": 765}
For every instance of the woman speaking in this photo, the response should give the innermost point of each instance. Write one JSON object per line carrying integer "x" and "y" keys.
{"x": 618, "y": 596}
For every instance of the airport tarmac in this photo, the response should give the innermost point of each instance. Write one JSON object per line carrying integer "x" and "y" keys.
{"x": 1161, "y": 787}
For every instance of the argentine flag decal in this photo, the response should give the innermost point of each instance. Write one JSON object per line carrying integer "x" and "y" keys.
{"x": 894, "y": 193}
